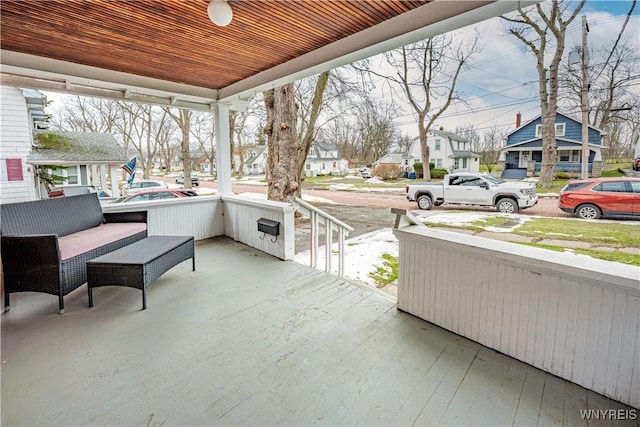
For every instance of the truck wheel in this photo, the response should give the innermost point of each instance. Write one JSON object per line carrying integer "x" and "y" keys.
{"x": 424, "y": 202}
{"x": 588, "y": 211}
{"x": 506, "y": 206}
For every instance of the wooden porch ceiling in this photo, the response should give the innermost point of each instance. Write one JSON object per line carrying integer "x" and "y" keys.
{"x": 171, "y": 46}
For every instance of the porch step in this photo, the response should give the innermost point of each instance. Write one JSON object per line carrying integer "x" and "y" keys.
{"x": 514, "y": 174}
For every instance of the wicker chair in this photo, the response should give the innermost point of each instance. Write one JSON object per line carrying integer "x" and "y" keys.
{"x": 30, "y": 249}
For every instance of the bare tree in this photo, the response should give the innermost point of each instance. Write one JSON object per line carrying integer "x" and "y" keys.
{"x": 377, "y": 133}
{"x": 490, "y": 146}
{"x": 428, "y": 72}
{"x": 203, "y": 131}
{"x": 543, "y": 33}
{"x": 183, "y": 119}
{"x": 83, "y": 114}
{"x": 470, "y": 133}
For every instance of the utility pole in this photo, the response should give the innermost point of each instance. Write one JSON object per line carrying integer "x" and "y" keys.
{"x": 585, "y": 101}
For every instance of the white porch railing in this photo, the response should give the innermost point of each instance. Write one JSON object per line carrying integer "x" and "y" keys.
{"x": 320, "y": 218}
{"x": 576, "y": 317}
{"x": 209, "y": 216}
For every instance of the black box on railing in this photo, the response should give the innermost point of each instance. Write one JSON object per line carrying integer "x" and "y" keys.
{"x": 269, "y": 226}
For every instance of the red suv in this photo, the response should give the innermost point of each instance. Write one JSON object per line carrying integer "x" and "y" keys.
{"x": 596, "y": 197}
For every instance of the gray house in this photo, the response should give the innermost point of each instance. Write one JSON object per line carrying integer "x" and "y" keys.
{"x": 79, "y": 159}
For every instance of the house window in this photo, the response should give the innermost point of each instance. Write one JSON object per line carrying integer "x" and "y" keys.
{"x": 456, "y": 164}
{"x": 565, "y": 156}
{"x": 575, "y": 156}
{"x": 464, "y": 163}
{"x": 11, "y": 170}
{"x": 560, "y": 129}
{"x": 438, "y": 144}
{"x": 308, "y": 165}
{"x": 437, "y": 163}
{"x": 69, "y": 175}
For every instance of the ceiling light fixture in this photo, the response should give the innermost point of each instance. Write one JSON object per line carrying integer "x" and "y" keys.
{"x": 220, "y": 12}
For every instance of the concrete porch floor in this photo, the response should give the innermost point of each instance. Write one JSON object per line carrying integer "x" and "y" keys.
{"x": 247, "y": 339}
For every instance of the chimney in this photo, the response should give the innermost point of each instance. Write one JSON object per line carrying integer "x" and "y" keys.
{"x": 518, "y": 120}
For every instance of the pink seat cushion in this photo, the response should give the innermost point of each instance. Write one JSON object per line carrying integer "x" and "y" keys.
{"x": 86, "y": 240}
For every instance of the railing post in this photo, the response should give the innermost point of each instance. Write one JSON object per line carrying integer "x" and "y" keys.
{"x": 328, "y": 229}
{"x": 341, "y": 252}
{"x": 314, "y": 239}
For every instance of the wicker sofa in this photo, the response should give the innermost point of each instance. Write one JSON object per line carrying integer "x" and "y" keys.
{"x": 46, "y": 243}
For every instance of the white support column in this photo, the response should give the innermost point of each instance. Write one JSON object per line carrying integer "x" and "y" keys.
{"x": 94, "y": 176}
{"x": 223, "y": 148}
{"x": 114, "y": 172}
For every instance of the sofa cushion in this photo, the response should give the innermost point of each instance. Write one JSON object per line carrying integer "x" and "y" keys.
{"x": 78, "y": 243}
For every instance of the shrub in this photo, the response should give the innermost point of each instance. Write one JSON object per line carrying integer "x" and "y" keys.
{"x": 387, "y": 172}
{"x": 432, "y": 166}
{"x": 438, "y": 173}
{"x": 562, "y": 175}
{"x": 418, "y": 168}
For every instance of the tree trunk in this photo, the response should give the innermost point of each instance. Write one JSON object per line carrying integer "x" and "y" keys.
{"x": 422, "y": 135}
{"x": 284, "y": 144}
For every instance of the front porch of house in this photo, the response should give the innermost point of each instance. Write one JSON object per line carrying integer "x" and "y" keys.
{"x": 248, "y": 339}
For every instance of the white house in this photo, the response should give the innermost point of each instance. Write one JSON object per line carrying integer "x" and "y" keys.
{"x": 448, "y": 151}
{"x": 324, "y": 159}
{"x": 82, "y": 159}
{"x": 256, "y": 160}
{"x": 405, "y": 161}
{"x": 19, "y": 110}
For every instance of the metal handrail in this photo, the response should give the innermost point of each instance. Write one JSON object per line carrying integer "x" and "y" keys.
{"x": 329, "y": 223}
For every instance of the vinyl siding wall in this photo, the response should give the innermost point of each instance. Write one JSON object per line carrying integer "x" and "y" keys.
{"x": 15, "y": 143}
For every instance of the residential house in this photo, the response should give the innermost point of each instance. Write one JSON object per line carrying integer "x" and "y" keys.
{"x": 79, "y": 158}
{"x": 325, "y": 159}
{"x": 522, "y": 154}
{"x": 449, "y": 151}
{"x": 405, "y": 161}
{"x": 256, "y": 160}
{"x": 21, "y": 112}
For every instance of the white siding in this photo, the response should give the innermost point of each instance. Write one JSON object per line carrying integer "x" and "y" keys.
{"x": 241, "y": 216}
{"x": 578, "y": 318}
{"x": 15, "y": 143}
{"x": 200, "y": 217}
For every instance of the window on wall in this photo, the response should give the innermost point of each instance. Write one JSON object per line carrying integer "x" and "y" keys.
{"x": 66, "y": 176}
{"x": 437, "y": 163}
{"x": 437, "y": 142}
{"x": 11, "y": 170}
{"x": 464, "y": 163}
{"x": 560, "y": 129}
{"x": 456, "y": 163}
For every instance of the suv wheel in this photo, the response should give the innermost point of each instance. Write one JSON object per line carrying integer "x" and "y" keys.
{"x": 588, "y": 211}
{"x": 506, "y": 206}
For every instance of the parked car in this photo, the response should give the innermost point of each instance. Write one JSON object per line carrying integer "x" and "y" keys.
{"x": 365, "y": 172}
{"x": 473, "y": 189}
{"x": 145, "y": 184}
{"x": 596, "y": 197}
{"x": 162, "y": 194}
{"x": 636, "y": 164}
{"x": 195, "y": 181}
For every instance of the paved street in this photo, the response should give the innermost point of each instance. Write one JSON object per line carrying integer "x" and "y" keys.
{"x": 547, "y": 206}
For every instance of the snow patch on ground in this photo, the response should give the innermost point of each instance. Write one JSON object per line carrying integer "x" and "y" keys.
{"x": 362, "y": 255}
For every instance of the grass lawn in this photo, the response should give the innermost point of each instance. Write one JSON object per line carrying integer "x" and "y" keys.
{"x": 599, "y": 233}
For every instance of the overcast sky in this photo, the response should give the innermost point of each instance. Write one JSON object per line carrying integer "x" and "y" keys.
{"x": 502, "y": 79}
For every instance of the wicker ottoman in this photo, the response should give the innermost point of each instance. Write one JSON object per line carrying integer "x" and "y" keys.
{"x": 139, "y": 264}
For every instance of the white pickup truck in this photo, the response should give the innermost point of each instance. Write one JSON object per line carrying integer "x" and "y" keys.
{"x": 474, "y": 189}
